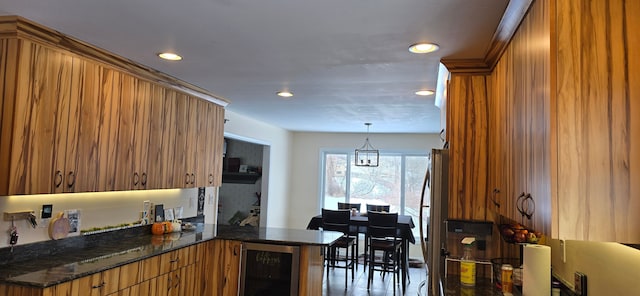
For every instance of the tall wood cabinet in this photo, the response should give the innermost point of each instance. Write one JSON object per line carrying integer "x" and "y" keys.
{"x": 71, "y": 123}
{"x": 597, "y": 120}
{"x": 558, "y": 118}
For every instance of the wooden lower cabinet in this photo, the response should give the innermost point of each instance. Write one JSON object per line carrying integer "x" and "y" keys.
{"x": 209, "y": 268}
{"x": 311, "y": 270}
{"x": 222, "y": 267}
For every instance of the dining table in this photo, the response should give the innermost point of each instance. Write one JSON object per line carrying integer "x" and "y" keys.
{"x": 359, "y": 223}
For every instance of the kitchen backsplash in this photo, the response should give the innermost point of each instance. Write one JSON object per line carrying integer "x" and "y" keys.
{"x": 611, "y": 268}
{"x": 97, "y": 209}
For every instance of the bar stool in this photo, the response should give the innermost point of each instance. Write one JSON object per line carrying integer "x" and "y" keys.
{"x": 354, "y": 230}
{"x": 382, "y": 233}
{"x": 339, "y": 220}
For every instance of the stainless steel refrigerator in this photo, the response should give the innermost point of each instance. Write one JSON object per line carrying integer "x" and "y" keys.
{"x": 435, "y": 205}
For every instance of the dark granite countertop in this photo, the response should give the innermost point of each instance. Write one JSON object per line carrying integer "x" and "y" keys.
{"x": 52, "y": 262}
{"x": 483, "y": 287}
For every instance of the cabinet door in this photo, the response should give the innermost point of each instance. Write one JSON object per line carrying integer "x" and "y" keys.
{"x": 156, "y": 151}
{"x": 34, "y": 126}
{"x": 203, "y": 145}
{"x": 169, "y": 139}
{"x": 215, "y": 140}
{"x": 142, "y": 107}
{"x": 225, "y": 268}
{"x": 129, "y": 275}
{"x": 98, "y": 284}
{"x": 124, "y": 172}
{"x": 89, "y": 130}
{"x": 183, "y": 176}
{"x": 108, "y": 135}
{"x": 150, "y": 268}
{"x": 597, "y": 193}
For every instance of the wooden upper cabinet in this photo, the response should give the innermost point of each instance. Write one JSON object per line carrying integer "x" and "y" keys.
{"x": 69, "y": 123}
{"x": 34, "y": 130}
{"x": 38, "y": 120}
{"x": 124, "y": 172}
{"x": 597, "y": 117}
{"x": 156, "y": 148}
{"x": 191, "y": 156}
{"x": 215, "y": 131}
{"x": 142, "y": 124}
{"x": 203, "y": 145}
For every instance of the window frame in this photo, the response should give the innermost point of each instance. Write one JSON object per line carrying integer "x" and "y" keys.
{"x": 350, "y": 153}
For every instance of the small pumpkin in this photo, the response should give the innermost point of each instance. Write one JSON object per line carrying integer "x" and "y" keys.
{"x": 161, "y": 228}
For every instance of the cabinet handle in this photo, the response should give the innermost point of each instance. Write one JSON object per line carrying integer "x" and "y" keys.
{"x": 210, "y": 179}
{"x": 58, "y": 179}
{"x": 186, "y": 179}
{"x": 193, "y": 178}
{"x": 98, "y": 286}
{"x": 71, "y": 179}
{"x": 493, "y": 198}
{"x": 144, "y": 179}
{"x": 136, "y": 179}
{"x": 526, "y": 205}
{"x": 177, "y": 281}
{"x": 174, "y": 260}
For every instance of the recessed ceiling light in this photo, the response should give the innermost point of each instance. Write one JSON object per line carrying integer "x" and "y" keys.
{"x": 426, "y": 92}
{"x": 169, "y": 56}
{"x": 285, "y": 94}
{"x": 423, "y": 47}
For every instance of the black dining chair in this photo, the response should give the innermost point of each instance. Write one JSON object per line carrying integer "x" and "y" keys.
{"x": 339, "y": 220}
{"x": 354, "y": 231}
{"x": 378, "y": 208}
{"x": 384, "y": 246}
{"x": 349, "y": 206}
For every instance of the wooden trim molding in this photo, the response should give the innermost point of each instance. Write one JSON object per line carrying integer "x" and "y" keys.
{"x": 19, "y": 27}
{"x": 511, "y": 19}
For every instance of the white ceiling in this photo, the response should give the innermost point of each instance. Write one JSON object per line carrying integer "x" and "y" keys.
{"x": 345, "y": 61}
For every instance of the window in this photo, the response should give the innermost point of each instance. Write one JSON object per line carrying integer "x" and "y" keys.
{"x": 396, "y": 182}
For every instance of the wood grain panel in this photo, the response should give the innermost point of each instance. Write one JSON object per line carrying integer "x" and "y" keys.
{"x": 87, "y": 162}
{"x": 169, "y": 140}
{"x": 68, "y": 117}
{"x": 215, "y": 138}
{"x": 467, "y": 123}
{"x": 124, "y": 170}
{"x": 156, "y": 132}
{"x": 224, "y": 272}
{"x": 520, "y": 124}
{"x": 311, "y": 270}
{"x": 142, "y": 107}
{"x": 34, "y": 123}
{"x": 107, "y": 140}
{"x": 597, "y": 120}
{"x": 129, "y": 275}
{"x": 8, "y": 75}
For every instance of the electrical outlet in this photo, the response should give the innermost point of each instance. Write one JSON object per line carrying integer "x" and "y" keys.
{"x": 580, "y": 284}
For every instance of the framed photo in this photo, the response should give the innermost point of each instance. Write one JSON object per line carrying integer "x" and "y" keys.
{"x": 74, "y": 221}
{"x": 168, "y": 215}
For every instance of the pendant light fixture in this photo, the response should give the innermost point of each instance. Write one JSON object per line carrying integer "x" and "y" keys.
{"x": 367, "y": 155}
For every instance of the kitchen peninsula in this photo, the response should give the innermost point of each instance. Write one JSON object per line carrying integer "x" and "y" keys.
{"x": 133, "y": 262}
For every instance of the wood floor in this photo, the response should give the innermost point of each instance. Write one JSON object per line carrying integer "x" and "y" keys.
{"x": 334, "y": 284}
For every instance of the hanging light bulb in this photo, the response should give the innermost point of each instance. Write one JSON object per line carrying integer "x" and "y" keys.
{"x": 367, "y": 155}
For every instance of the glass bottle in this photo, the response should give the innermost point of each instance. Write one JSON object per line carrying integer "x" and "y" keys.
{"x": 467, "y": 263}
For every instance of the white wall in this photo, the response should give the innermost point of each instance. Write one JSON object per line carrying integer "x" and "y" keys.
{"x": 276, "y": 172}
{"x": 611, "y": 268}
{"x": 305, "y": 173}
